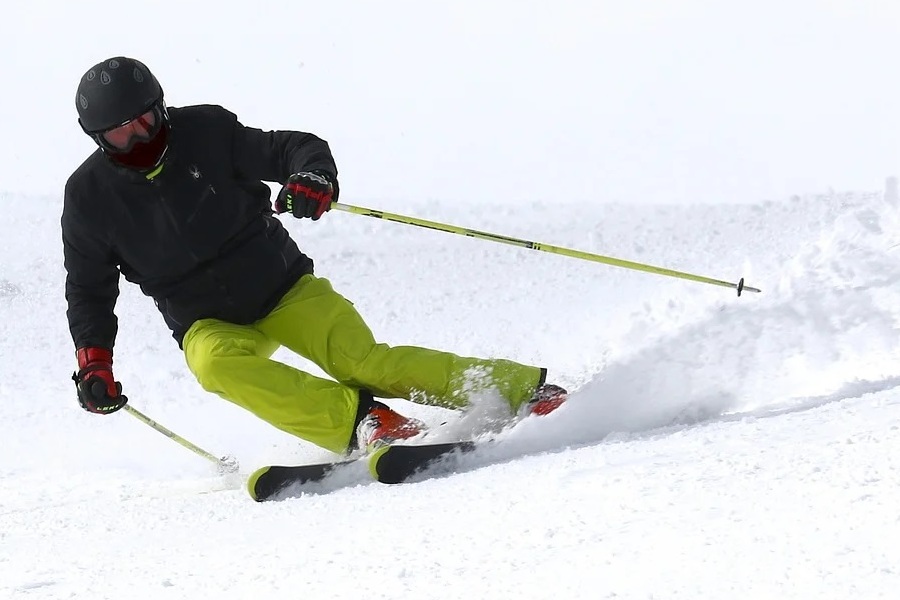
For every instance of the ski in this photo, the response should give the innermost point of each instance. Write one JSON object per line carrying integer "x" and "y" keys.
{"x": 397, "y": 464}
{"x": 266, "y": 482}
{"x": 388, "y": 464}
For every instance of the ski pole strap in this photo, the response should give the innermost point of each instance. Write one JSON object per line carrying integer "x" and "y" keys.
{"x": 502, "y": 239}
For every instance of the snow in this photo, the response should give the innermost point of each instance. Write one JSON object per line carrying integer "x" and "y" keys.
{"x": 714, "y": 446}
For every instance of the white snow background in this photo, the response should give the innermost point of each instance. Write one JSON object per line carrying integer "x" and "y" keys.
{"x": 713, "y": 446}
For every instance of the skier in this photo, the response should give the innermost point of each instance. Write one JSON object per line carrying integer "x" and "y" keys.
{"x": 174, "y": 200}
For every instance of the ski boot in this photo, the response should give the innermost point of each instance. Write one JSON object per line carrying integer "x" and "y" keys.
{"x": 379, "y": 425}
{"x": 547, "y": 398}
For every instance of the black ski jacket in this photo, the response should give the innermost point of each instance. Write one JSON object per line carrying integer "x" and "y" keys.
{"x": 200, "y": 237}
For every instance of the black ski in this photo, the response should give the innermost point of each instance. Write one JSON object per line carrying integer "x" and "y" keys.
{"x": 268, "y": 481}
{"x": 388, "y": 464}
{"x": 396, "y": 464}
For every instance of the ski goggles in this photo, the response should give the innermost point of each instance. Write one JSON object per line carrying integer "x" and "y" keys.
{"x": 142, "y": 128}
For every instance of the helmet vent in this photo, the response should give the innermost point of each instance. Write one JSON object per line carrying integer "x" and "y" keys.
{"x": 83, "y": 101}
{"x": 138, "y": 76}
{"x": 91, "y": 75}
{"x": 105, "y": 79}
{"x": 113, "y": 64}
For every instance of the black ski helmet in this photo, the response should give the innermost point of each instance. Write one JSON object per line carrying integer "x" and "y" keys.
{"x": 114, "y": 91}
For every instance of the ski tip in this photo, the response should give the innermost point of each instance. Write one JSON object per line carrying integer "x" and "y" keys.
{"x": 373, "y": 461}
{"x": 252, "y": 481}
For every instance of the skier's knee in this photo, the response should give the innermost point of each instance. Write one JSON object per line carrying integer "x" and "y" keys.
{"x": 217, "y": 360}
{"x": 207, "y": 369}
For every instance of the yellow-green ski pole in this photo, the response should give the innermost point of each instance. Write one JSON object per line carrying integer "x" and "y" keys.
{"x": 226, "y": 464}
{"x": 493, "y": 237}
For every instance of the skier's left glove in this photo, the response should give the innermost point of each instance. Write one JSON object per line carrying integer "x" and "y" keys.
{"x": 98, "y": 391}
{"x": 307, "y": 194}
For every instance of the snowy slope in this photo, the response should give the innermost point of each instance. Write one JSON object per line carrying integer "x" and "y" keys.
{"x": 714, "y": 446}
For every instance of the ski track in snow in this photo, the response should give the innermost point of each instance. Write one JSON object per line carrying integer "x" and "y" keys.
{"x": 713, "y": 446}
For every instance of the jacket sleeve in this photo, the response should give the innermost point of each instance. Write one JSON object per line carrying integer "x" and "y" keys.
{"x": 276, "y": 155}
{"x": 92, "y": 279}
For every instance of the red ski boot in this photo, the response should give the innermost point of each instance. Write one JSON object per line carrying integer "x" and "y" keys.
{"x": 546, "y": 399}
{"x": 381, "y": 426}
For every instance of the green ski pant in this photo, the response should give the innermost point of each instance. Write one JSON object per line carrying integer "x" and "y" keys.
{"x": 319, "y": 324}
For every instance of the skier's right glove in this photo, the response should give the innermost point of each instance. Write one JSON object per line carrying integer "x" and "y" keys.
{"x": 98, "y": 391}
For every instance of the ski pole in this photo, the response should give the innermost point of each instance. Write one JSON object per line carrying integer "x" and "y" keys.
{"x": 226, "y": 464}
{"x": 493, "y": 237}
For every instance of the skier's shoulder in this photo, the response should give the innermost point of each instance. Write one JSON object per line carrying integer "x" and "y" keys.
{"x": 87, "y": 178}
{"x": 207, "y": 114}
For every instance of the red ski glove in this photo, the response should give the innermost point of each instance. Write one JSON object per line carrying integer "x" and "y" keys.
{"x": 98, "y": 391}
{"x": 307, "y": 194}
